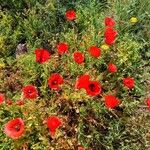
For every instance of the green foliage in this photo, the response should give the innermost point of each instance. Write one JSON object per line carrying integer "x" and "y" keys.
{"x": 32, "y": 21}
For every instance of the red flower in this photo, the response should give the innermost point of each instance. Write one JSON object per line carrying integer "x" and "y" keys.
{"x": 78, "y": 57}
{"x": 9, "y": 102}
{"x": 112, "y": 68}
{"x": 81, "y": 148}
{"x": 2, "y": 98}
{"x": 111, "y": 101}
{"x": 70, "y": 15}
{"x": 53, "y": 123}
{"x": 128, "y": 82}
{"x": 110, "y": 32}
{"x": 93, "y": 88}
{"x": 110, "y": 36}
{"x": 82, "y": 82}
{"x": 109, "y": 22}
{"x": 148, "y": 102}
{"x": 30, "y": 92}
{"x": 54, "y": 81}
{"x": 62, "y": 48}
{"x": 94, "y": 51}
{"x": 20, "y": 102}
{"x": 14, "y": 128}
{"x": 42, "y": 55}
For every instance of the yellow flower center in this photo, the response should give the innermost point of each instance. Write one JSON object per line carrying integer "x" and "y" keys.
{"x": 105, "y": 47}
{"x": 133, "y": 20}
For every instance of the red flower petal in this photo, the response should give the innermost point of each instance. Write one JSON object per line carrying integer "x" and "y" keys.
{"x": 128, "y": 82}
{"x": 111, "y": 101}
{"x": 94, "y": 51}
{"x": 62, "y": 48}
{"x": 20, "y": 102}
{"x": 82, "y": 82}
{"x": 81, "y": 148}
{"x": 14, "y": 128}
{"x": 70, "y": 15}
{"x": 53, "y": 123}
{"x": 30, "y": 92}
{"x": 2, "y": 98}
{"x": 54, "y": 81}
{"x": 110, "y": 32}
{"x": 110, "y": 36}
{"x": 93, "y": 88}
{"x": 109, "y": 41}
{"x": 78, "y": 57}
{"x": 42, "y": 55}
{"x": 109, "y": 22}
{"x": 112, "y": 68}
{"x": 148, "y": 102}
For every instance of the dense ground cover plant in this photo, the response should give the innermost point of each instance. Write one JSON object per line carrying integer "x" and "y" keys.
{"x": 83, "y": 84}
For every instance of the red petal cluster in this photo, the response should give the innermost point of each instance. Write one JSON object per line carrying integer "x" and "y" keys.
{"x": 128, "y": 82}
{"x": 109, "y": 22}
{"x": 81, "y": 148}
{"x": 42, "y": 55}
{"x": 110, "y": 35}
{"x": 92, "y": 88}
{"x": 78, "y": 57}
{"x": 2, "y": 98}
{"x": 94, "y": 51}
{"x": 70, "y": 15}
{"x": 111, "y": 101}
{"x": 82, "y": 81}
{"x": 54, "y": 81}
{"x": 112, "y": 68}
{"x": 14, "y": 128}
{"x": 30, "y": 92}
{"x": 62, "y": 48}
{"x": 148, "y": 102}
{"x": 53, "y": 123}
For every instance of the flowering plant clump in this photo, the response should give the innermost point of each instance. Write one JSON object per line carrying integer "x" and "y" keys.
{"x": 81, "y": 83}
